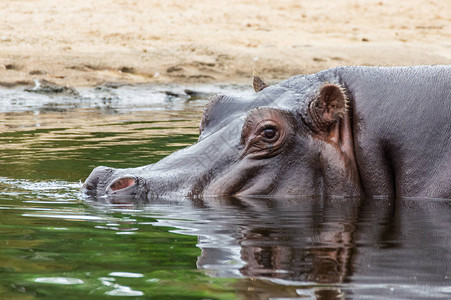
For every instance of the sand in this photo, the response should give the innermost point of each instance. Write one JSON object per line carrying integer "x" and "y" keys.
{"x": 91, "y": 42}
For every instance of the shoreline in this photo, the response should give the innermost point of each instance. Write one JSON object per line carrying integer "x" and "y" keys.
{"x": 79, "y": 71}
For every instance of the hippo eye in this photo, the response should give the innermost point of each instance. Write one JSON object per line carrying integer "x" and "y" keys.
{"x": 269, "y": 133}
{"x": 264, "y": 132}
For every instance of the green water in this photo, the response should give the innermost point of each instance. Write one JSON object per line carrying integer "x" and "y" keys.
{"x": 69, "y": 251}
{"x": 52, "y": 243}
{"x": 57, "y": 244}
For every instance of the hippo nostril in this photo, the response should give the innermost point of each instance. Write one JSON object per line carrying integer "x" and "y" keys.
{"x": 122, "y": 183}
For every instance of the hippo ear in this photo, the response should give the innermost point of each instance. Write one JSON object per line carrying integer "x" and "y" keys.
{"x": 329, "y": 106}
{"x": 258, "y": 83}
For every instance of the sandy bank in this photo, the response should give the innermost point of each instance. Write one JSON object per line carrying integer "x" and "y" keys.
{"x": 89, "y": 42}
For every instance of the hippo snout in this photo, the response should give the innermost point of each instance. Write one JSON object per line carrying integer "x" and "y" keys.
{"x": 96, "y": 180}
{"x": 105, "y": 181}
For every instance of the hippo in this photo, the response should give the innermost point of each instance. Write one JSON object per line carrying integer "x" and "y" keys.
{"x": 349, "y": 131}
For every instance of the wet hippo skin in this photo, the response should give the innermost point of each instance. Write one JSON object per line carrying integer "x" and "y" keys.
{"x": 347, "y": 131}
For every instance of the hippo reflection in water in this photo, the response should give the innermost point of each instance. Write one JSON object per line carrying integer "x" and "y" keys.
{"x": 347, "y": 131}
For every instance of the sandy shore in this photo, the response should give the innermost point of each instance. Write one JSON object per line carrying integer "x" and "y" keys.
{"x": 89, "y": 42}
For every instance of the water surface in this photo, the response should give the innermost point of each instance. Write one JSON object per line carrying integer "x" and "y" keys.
{"x": 56, "y": 243}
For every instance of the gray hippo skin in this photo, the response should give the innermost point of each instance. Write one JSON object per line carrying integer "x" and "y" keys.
{"x": 347, "y": 131}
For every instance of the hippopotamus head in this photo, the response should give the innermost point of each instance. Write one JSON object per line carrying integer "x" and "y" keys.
{"x": 292, "y": 138}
